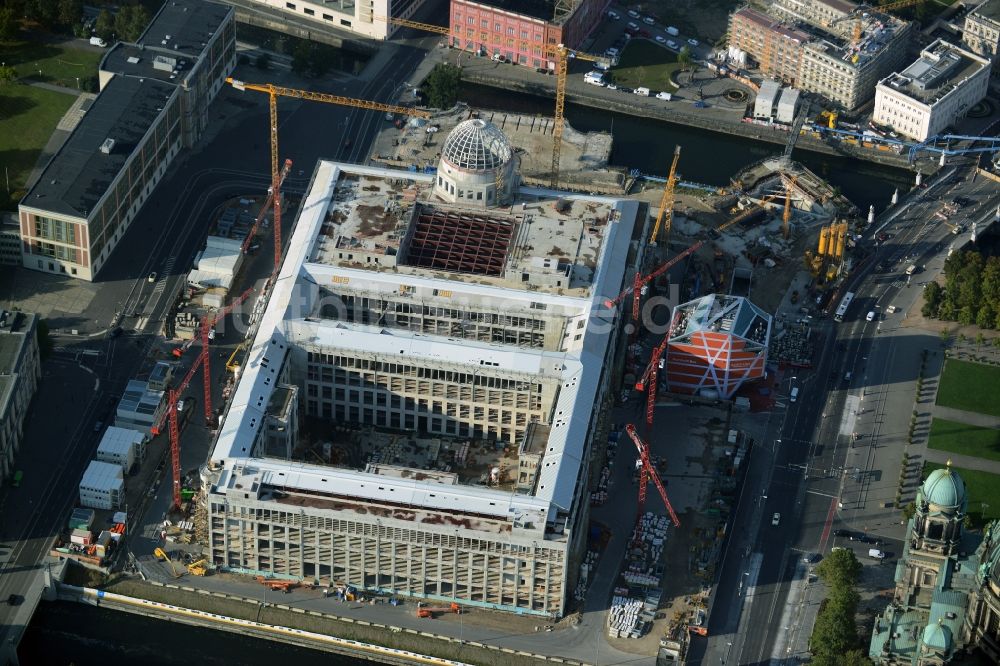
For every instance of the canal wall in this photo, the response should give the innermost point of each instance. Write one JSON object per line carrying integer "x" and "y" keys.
{"x": 311, "y": 629}
{"x": 545, "y": 87}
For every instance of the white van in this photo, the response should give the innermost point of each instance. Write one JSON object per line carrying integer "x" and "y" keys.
{"x": 665, "y": 96}
{"x": 876, "y": 554}
{"x": 911, "y": 269}
{"x": 642, "y": 91}
{"x": 594, "y": 78}
{"x": 97, "y": 41}
{"x": 794, "y": 394}
{"x": 871, "y": 316}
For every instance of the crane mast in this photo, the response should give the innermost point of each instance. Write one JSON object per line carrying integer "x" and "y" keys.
{"x": 650, "y": 473}
{"x": 208, "y": 322}
{"x": 667, "y": 201}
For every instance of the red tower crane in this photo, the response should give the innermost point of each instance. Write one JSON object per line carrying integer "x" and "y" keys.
{"x": 640, "y": 281}
{"x": 647, "y": 382}
{"x": 648, "y": 472}
{"x": 208, "y": 323}
{"x": 266, "y": 207}
{"x": 170, "y": 416}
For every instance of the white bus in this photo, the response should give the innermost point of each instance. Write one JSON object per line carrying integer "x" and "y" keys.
{"x": 842, "y": 308}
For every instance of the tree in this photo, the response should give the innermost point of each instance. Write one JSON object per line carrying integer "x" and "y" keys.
{"x": 932, "y": 299}
{"x": 7, "y": 74}
{"x": 70, "y": 12}
{"x": 104, "y": 26}
{"x": 441, "y": 86}
{"x": 980, "y": 339}
{"x": 840, "y": 568}
{"x": 263, "y": 61}
{"x": 138, "y": 22}
{"x": 966, "y": 316}
{"x": 909, "y": 510}
{"x": 986, "y": 317}
{"x": 9, "y": 24}
{"x": 947, "y": 310}
{"x": 684, "y": 58}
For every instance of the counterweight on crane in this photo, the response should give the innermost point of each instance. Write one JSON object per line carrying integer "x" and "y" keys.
{"x": 666, "y": 213}
{"x": 560, "y": 55}
{"x": 273, "y": 92}
{"x": 640, "y": 281}
{"x": 208, "y": 323}
{"x": 649, "y": 472}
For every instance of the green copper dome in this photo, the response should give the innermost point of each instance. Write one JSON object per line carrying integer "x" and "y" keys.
{"x": 937, "y": 636}
{"x": 945, "y": 488}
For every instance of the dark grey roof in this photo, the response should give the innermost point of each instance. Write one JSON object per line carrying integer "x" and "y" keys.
{"x": 78, "y": 175}
{"x": 539, "y": 9}
{"x": 190, "y": 24}
{"x": 156, "y": 63}
{"x": 989, "y": 9}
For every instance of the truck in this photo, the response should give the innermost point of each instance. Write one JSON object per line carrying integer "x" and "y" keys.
{"x": 642, "y": 91}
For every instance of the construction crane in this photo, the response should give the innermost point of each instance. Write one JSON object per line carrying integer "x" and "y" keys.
{"x": 786, "y": 215}
{"x": 273, "y": 93}
{"x": 169, "y": 416}
{"x": 266, "y": 207}
{"x": 648, "y": 472}
{"x": 667, "y": 202}
{"x": 208, "y": 323}
{"x": 431, "y": 611}
{"x": 559, "y": 53}
{"x": 640, "y": 281}
{"x": 648, "y": 381}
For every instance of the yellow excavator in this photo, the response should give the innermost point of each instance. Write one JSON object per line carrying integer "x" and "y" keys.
{"x": 199, "y": 568}
{"x": 159, "y": 554}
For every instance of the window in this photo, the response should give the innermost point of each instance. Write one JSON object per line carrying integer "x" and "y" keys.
{"x": 309, "y": 12}
{"x": 327, "y": 17}
{"x": 289, "y": 5}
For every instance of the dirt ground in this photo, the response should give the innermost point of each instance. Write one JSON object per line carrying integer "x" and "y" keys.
{"x": 707, "y": 19}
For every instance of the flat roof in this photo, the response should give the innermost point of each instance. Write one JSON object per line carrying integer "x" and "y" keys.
{"x": 138, "y": 399}
{"x": 989, "y": 9}
{"x": 288, "y": 322}
{"x": 393, "y": 225}
{"x": 119, "y": 440}
{"x": 940, "y": 68}
{"x": 543, "y": 10}
{"x": 185, "y": 26}
{"x": 77, "y": 176}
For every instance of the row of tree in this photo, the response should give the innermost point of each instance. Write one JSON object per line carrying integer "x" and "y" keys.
{"x": 834, "y": 640}
{"x": 971, "y": 292}
{"x": 67, "y": 16}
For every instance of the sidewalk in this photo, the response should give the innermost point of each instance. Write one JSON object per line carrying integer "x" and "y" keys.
{"x": 958, "y": 460}
{"x": 969, "y": 418}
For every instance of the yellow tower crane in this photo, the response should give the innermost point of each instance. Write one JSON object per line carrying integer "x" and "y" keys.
{"x": 665, "y": 217}
{"x": 786, "y": 216}
{"x": 274, "y": 92}
{"x": 559, "y": 53}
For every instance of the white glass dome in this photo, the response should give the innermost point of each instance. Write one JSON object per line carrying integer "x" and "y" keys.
{"x": 476, "y": 145}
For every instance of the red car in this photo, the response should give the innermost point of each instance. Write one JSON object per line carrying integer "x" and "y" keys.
{"x": 645, "y": 33}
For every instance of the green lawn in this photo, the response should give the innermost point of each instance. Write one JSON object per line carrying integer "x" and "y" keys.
{"x": 57, "y": 64}
{"x": 644, "y": 63}
{"x": 983, "y": 488}
{"x": 967, "y": 440}
{"x": 970, "y": 386}
{"x": 28, "y": 115}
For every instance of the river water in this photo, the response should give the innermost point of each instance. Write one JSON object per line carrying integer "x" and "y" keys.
{"x": 65, "y": 633}
{"x": 706, "y": 157}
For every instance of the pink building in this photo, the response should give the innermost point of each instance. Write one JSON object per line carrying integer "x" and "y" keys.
{"x": 520, "y": 29}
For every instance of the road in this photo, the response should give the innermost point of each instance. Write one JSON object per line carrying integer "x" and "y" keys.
{"x": 813, "y": 471}
{"x": 88, "y": 371}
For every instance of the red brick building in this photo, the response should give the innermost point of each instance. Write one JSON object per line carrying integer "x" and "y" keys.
{"x": 520, "y": 29}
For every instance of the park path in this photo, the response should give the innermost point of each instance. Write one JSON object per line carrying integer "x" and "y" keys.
{"x": 968, "y": 418}
{"x": 958, "y": 460}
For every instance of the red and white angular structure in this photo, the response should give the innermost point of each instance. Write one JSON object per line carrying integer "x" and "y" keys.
{"x": 716, "y": 343}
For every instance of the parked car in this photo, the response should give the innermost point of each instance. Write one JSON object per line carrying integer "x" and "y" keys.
{"x": 613, "y": 15}
{"x": 693, "y": 42}
{"x": 649, "y": 20}
{"x": 634, "y": 27}
{"x": 152, "y": 277}
{"x": 776, "y": 519}
{"x": 611, "y": 86}
{"x": 97, "y": 41}
{"x": 842, "y": 533}
{"x": 632, "y": 13}
{"x": 665, "y": 96}
{"x": 660, "y": 39}
{"x": 870, "y": 316}
{"x": 672, "y": 44}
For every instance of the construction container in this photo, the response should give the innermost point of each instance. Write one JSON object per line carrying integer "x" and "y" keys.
{"x": 787, "y": 104}
{"x": 81, "y": 537}
{"x": 763, "y": 106}
{"x": 120, "y": 446}
{"x": 81, "y": 519}
{"x": 102, "y": 486}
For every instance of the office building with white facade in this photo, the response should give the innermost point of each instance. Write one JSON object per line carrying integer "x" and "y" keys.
{"x": 365, "y": 18}
{"x": 20, "y": 371}
{"x": 153, "y": 103}
{"x": 450, "y": 361}
{"x": 933, "y": 92}
{"x": 981, "y": 31}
